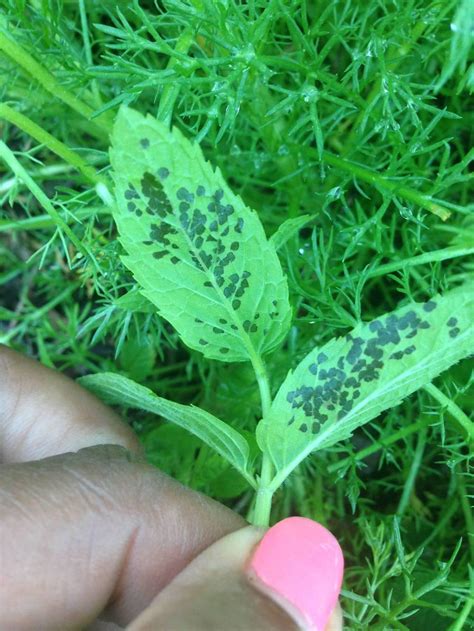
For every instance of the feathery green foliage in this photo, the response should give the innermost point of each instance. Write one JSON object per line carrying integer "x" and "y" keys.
{"x": 358, "y": 114}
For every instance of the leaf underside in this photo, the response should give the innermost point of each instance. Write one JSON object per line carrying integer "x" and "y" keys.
{"x": 351, "y": 380}
{"x": 198, "y": 253}
{"x": 225, "y": 440}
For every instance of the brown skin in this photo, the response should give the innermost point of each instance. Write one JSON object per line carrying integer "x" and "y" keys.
{"x": 100, "y": 534}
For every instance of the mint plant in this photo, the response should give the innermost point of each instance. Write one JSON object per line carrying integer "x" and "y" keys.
{"x": 348, "y": 128}
{"x": 202, "y": 258}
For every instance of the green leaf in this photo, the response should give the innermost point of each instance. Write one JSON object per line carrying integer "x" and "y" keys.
{"x": 288, "y": 229}
{"x": 137, "y": 357}
{"x": 351, "y": 380}
{"x": 199, "y": 254}
{"x": 226, "y": 441}
{"x": 134, "y": 301}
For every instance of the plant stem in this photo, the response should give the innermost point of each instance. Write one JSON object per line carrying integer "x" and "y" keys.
{"x": 40, "y": 222}
{"x": 20, "y": 172}
{"x": 379, "y": 444}
{"x": 453, "y": 409}
{"x": 464, "y": 497}
{"x": 412, "y": 473}
{"x": 38, "y": 313}
{"x": 443, "y": 254}
{"x": 383, "y": 181}
{"x": 87, "y": 47}
{"x": 102, "y": 124}
{"x": 263, "y": 384}
{"x": 171, "y": 91}
{"x": 263, "y": 499}
{"x": 463, "y": 616}
{"x": 53, "y": 144}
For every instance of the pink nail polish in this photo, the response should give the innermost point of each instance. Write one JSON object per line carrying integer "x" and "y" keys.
{"x": 301, "y": 561}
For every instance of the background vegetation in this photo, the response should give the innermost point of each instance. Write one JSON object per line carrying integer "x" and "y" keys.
{"x": 358, "y": 113}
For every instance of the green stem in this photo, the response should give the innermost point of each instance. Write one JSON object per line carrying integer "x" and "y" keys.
{"x": 455, "y": 411}
{"x": 412, "y": 473}
{"x": 87, "y": 46}
{"x": 442, "y": 523}
{"x": 464, "y": 498}
{"x": 85, "y": 32}
{"x": 263, "y": 499}
{"x": 38, "y": 313}
{"x": 385, "y": 442}
{"x": 382, "y": 181}
{"x": 171, "y": 91}
{"x": 53, "y": 144}
{"x": 443, "y": 254}
{"x": 40, "y": 222}
{"x": 20, "y": 172}
{"x": 263, "y": 384}
{"x": 49, "y": 171}
{"x": 463, "y": 616}
{"x": 101, "y": 125}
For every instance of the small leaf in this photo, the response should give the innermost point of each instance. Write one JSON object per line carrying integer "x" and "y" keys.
{"x": 225, "y": 440}
{"x": 198, "y": 253}
{"x": 351, "y": 380}
{"x": 134, "y": 301}
{"x": 137, "y": 357}
{"x": 226, "y": 485}
{"x": 288, "y": 229}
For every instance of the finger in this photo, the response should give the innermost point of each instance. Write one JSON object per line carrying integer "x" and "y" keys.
{"x": 288, "y": 580}
{"x": 43, "y": 413}
{"x": 95, "y": 531}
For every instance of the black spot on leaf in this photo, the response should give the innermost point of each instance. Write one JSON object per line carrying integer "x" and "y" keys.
{"x": 158, "y": 202}
{"x": 429, "y": 306}
{"x": 397, "y": 355}
{"x": 375, "y": 326}
{"x": 184, "y": 195}
{"x": 131, "y": 193}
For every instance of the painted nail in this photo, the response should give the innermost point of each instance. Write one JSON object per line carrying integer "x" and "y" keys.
{"x": 300, "y": 564}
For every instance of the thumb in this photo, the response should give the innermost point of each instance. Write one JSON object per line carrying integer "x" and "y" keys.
{"x": 284, "y": 579}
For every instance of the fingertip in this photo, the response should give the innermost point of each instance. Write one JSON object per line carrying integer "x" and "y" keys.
{"x": 300, "y": 564}
{"x": 44, "y": 413}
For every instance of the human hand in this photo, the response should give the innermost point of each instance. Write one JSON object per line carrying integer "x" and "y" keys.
{"x": 89, "y": 532}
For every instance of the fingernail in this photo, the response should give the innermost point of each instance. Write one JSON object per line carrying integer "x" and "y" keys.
{"x": 300, "y": 563}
